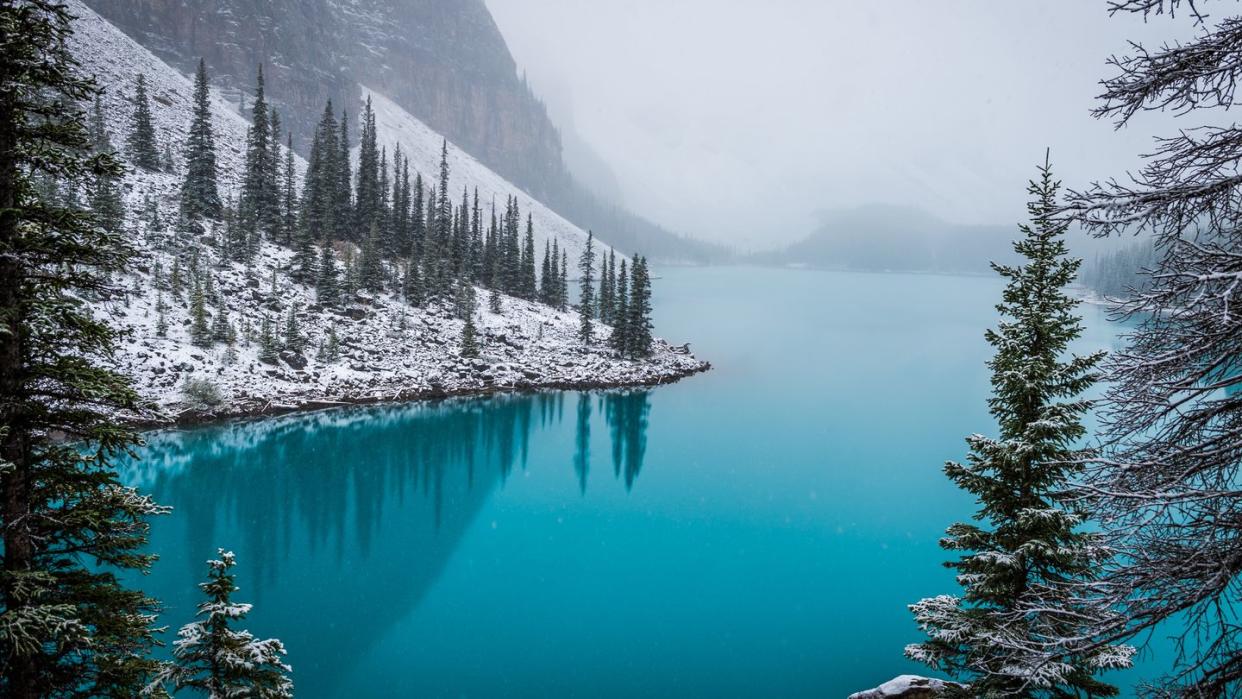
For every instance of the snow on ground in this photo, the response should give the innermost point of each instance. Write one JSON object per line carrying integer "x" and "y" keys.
{"x": 388, "y": 350}
{"x": 394, "y": 126}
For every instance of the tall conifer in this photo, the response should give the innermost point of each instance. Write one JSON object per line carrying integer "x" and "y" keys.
{"x": 141, "y": 142}
{"x": 200, "y": 195}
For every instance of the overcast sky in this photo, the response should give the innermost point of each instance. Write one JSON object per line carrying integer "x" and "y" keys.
{"x": 736, "y": 121}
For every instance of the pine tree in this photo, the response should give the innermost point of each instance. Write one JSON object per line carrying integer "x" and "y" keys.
{"x": 342, "y": 191}
{"x": 586, "y": 300}
{"x": 415, "y": 290}
{"x": 200, "y": 331}
{"x": 493, "y": 301}
{"x": 469, "y": 341}
{"x": 161, "y": 319}
{"x": 327, "y": 284}
{"x": 563, "y": 277}
{"x": 253, "y": 207}
{"x": 221, "y": 329}
{"x": 141, "y": 142}
{"x": 367, "y": 207}
{"x": 370, "y": 266}
{"x": 638, "y": 306}
{"x": 607, "y": 283}
{"x": 294, "y": 340}
{"x": 330, "y": 348}
{"x": 620, "y": 339}
{"x": 200, "y": 196}
{"x": 71, "y": 532}
{"x": 289, "y": 199}
{"x": 268, "y": 351}
{"x": 105, "y": 195}
{"x": 319, "y": 186}
{"x": 529, "y": 286}
{"x": 1021, "y": 627}
{"x": 211, "y": 657}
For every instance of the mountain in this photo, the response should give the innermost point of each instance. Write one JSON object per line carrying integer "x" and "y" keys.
{"x": 445, "y": 63}
{"x": 895, "y": 238}
{"x": 388, "y": 349}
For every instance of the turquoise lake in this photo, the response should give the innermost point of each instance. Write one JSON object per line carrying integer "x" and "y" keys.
{"x": 755, "y": 531}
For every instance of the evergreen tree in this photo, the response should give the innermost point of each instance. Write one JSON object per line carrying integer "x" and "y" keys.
{"x": 367, "y": 209}
{"x": 342, "y": 191}
{"x": 327, "y": 284}
{"x": 1027, "y": 568}
{"x": 638, "y": 306}
{"x": 69, "y": 528}
{"x": 294, "y": 340}
{"x": 105, "y": 194}
{"x": 200, "y": 196}
{"x": 330, "y": 349}
{"x": 319, "y": 210}
{"x": 529, "y": 284}
{"x": 213, "y": 658}
{"x": 545, "y": 275}
{"x": 161, "y": 320}
{"x": 268, "y": 351}
{"x": 289, "y": 200}
{"x": 620, "y": 338}
{"x": 493, "y": 301}
{"x": 415, "y": 290}
{"x": 563, "y": 277}
{"x": 221, "y": 330}
{"x": 586, "y": 300}
{"x": 141, "y": 142}
{"x": 607, "y": 283}
{"x": 253, "y": 207}
{"x": 271, "y": 217}
{"x": 370, "y": 266}
{"x": 200, "y": 331}
{"x": 469, "y": 341}
{"x": 167, "y": 162}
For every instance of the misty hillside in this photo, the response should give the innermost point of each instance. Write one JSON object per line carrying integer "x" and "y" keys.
{"x": 368, "y": 345}
{"x": 445, "y": 63}
{"x": 895, "y": 238}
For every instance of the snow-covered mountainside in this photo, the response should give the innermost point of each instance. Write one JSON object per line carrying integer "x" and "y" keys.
{"x": 388, "y": 349}
{"x": 395, "y": 126}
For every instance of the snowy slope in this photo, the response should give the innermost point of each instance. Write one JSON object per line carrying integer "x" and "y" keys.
{"x": 395, "y": 126}
{"x": 389, "y": 350}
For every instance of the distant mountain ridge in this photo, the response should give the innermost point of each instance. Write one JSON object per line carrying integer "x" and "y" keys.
{"x": 882, "y": 237}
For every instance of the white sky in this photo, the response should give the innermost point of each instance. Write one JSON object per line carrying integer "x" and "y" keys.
{"x": 736, "y": 120}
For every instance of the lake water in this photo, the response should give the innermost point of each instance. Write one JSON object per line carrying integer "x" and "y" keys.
{"x": 755, "y": 531}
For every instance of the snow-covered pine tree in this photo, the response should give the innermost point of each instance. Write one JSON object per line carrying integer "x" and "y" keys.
{"x": 1168, "y": 482}
{"x": 470, "y": 339}
{"x": 140, "y": 143}
{"x": 620, "y": 338}
{"x": 327, "y": 281}
{"x": 213, "y": 658}
{"x": 586, "y": 287}
{"x": 200, "y": 195}
{"x": 294, "y": 340}
{"x": 367, "y": 206}
{"x": 268, "y": 350}
{"x": 605, "y": 290}
{"x": 105, "y": 193}
{"x": 370, "y": 266}
{"x": 319, "y": 183}
{"x": 71, "y": 531}
{"x": 290, "y": 235}
{"x": 271, "y": 217}
{"x": 563, "y": 277}
{"x": 414, "y": 289}
{"x": 1024, "y": 625}
{"x": 200, "y": 331}
{"x": 342, "y": 190}
{"x": 529, "y": 283}
{"x": 253, "y": 207}
{"x": 638, "y": 306}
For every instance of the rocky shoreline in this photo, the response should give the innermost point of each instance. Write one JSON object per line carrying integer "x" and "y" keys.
{"x": 479, "y": 385}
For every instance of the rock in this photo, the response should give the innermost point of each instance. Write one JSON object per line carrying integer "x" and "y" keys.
{"x": 908, "y": 687}
{"x": 531, "y": 374}
{"x": 267, "y": 361}
{"x": 293, "y": 359}
{"x": 355, "y": 313}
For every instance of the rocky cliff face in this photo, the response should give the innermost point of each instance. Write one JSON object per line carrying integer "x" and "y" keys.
{"x": 444, "y": 61}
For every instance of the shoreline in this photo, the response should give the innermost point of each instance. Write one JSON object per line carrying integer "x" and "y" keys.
{"x": 260, "y": 408}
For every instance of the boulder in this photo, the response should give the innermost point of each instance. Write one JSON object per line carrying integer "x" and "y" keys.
{"x": 293, "y": 359}
{"x": 355, "y": 313}
{"x": 908, "y": 687}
